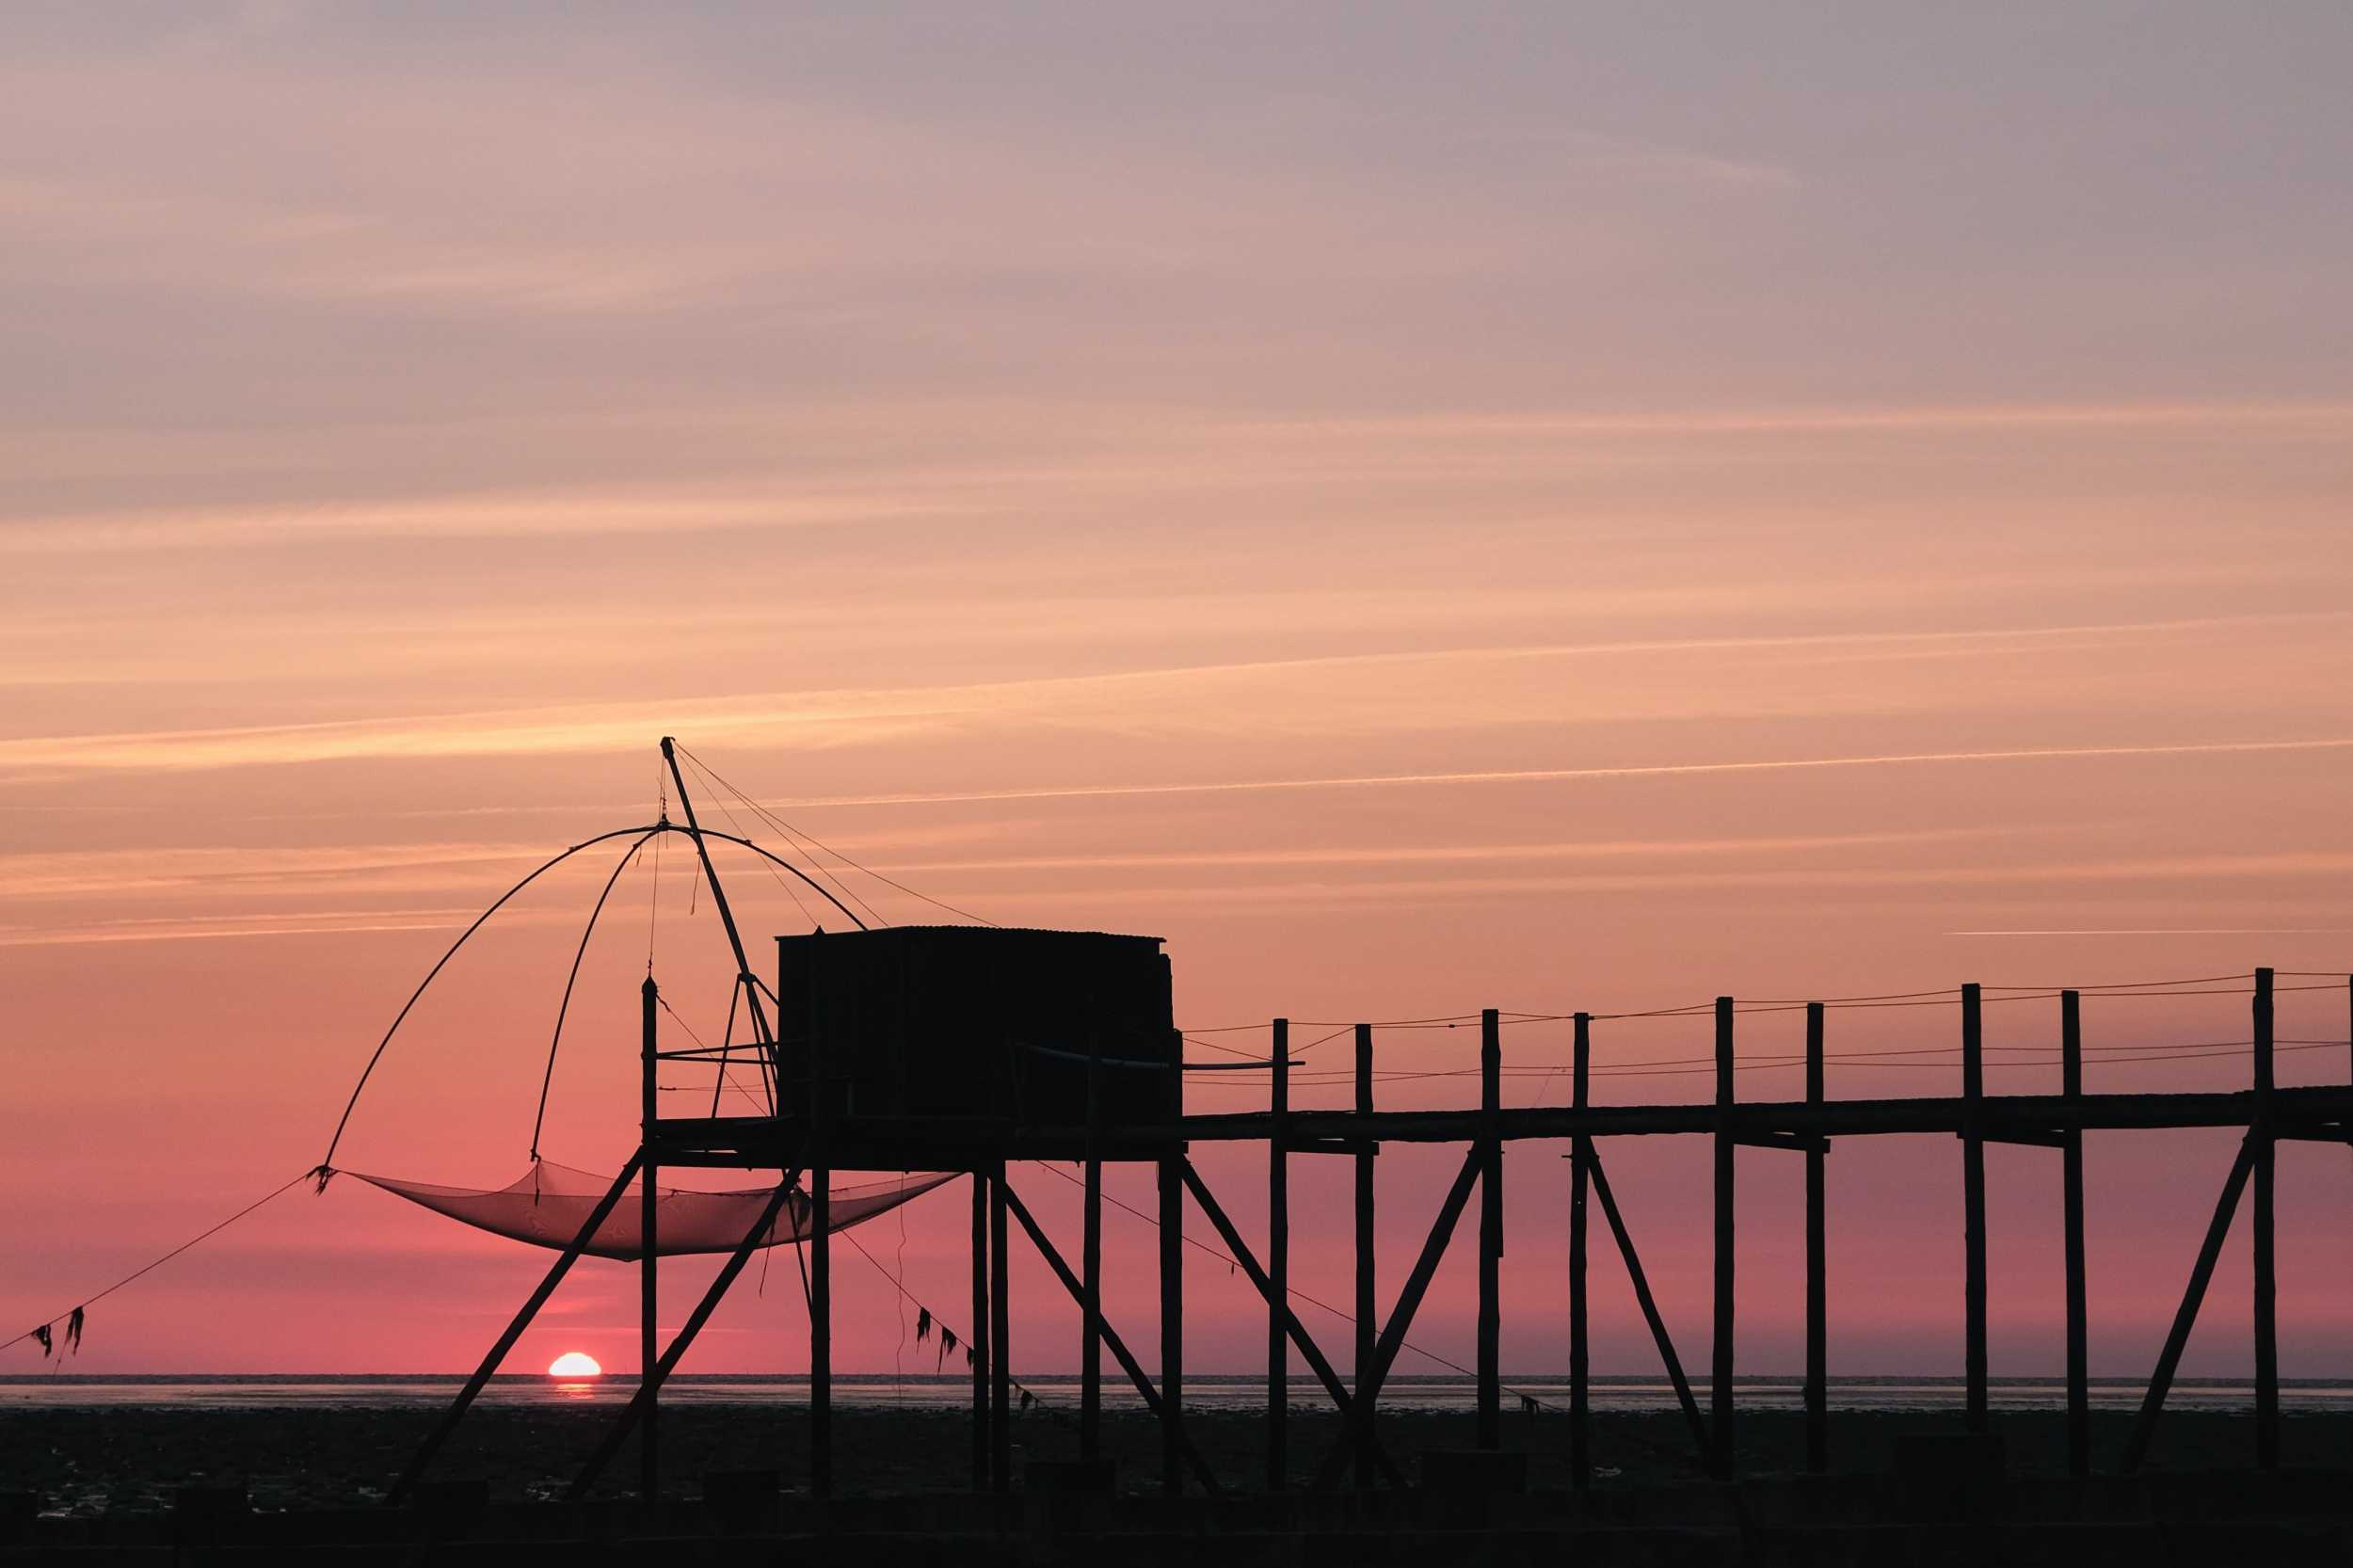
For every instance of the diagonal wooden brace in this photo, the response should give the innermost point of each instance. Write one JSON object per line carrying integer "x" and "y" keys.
{"x": 1370, "y": 1379}
{"x": 1650, "y": 1309}
{"x": 1308, "y": 1349}
{"x": 1109, "y": 1337}
{"x": 556, "y": 1270}
{"x": 2160, "y": 1380}
{"x": 650, "y": 1385}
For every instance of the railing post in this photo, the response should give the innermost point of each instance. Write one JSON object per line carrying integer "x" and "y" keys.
{"x": 2072, "y": 1181}
{"x": 1719, "y": 1371}
{"x": 1580, "y": 1178}
{"x": 2266, "y": 1282}
{"x": 1816, "y": 1264}
{"x": 1972, "y": 1206}
{"x": 820, "y": 1253}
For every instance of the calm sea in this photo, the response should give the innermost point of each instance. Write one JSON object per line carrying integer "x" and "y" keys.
{"x": 1237, "y": 1392}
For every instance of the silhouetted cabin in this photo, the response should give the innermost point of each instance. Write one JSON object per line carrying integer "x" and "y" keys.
{"x": 964, "y": 1022}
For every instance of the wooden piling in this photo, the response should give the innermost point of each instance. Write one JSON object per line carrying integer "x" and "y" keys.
{"x": 978, "y": 1346}
{"x": 648, "y": 1294}
{"x": 2266, "y": 1291}
{"x": 1817, "y": 1265}
{"x": 1979, "y": 1407}
{"x": 1580, "y": 1357}
{"x": 1278, "y": 1250}
{"x": 820, "y": 1272}
{"x": 1491, "y": 1232}
{"x": 1172, "y": 1238}
{"x": 1091, "y": 1273}
{"x": 2072, "y": 1183}
{"x": 1720, "y": 1371}
{"x": 999, "y": 1338}
{"x": 1367, "y": 1309}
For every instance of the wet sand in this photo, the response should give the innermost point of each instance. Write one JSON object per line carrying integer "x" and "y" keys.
{"x": 120, "y": 1460}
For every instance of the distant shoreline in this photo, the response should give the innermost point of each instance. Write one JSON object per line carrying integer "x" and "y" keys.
{"x": 931, "y": 1391}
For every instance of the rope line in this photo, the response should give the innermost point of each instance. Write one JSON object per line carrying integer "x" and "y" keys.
{"x": 701, "y": 767}
{"x": 201, "y": 1235}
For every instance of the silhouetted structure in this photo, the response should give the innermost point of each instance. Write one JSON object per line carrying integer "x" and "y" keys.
{"x": 964, "y": 1048}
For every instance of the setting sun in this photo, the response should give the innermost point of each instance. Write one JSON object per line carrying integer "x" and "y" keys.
{"x": 574, "y": 1363}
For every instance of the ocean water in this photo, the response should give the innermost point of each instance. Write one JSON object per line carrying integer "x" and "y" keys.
{"x": 930, "y": 1391}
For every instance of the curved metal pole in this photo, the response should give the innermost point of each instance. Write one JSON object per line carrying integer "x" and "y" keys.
{"x": 646, "y": 830}
{"x": 548, "y": 1077}
{"x": 346, "y": 1118}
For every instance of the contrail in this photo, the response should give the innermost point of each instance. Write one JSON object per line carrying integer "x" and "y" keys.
{"x": 1551, "y": 776}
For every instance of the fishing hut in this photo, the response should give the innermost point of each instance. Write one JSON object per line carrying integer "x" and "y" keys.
{"x": 968, "y": 1049}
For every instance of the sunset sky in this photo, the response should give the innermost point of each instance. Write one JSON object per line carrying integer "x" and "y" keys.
{"x": 1424, "y": 508}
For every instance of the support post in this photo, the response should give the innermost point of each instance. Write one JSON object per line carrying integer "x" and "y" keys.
{"x": 2267, "y": 1281}
{"x": 1980, "y": 1414}
{"x": 521, "y": 1321}
{"x": 1366, "y": 1308}
{"x": 1279, "y": 1252}
{"x": 1720, "y": 1371}
{"x": 648, "y": 1297}
{"x": 2161, "y": 1381}
{"x": 1172, "y": 1237}
{"x": 1581, "y": 1354}
{"x": 2072, "y": 1181}
{"x": 1490, "y": 1230}
{"x": 1090, "y": 1271}
{"x": 1816, "y": 1264}
{"x": 820, "y": 1257}
{"x": 999, "y": 1338}
{"x": 979, "y": 1345}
